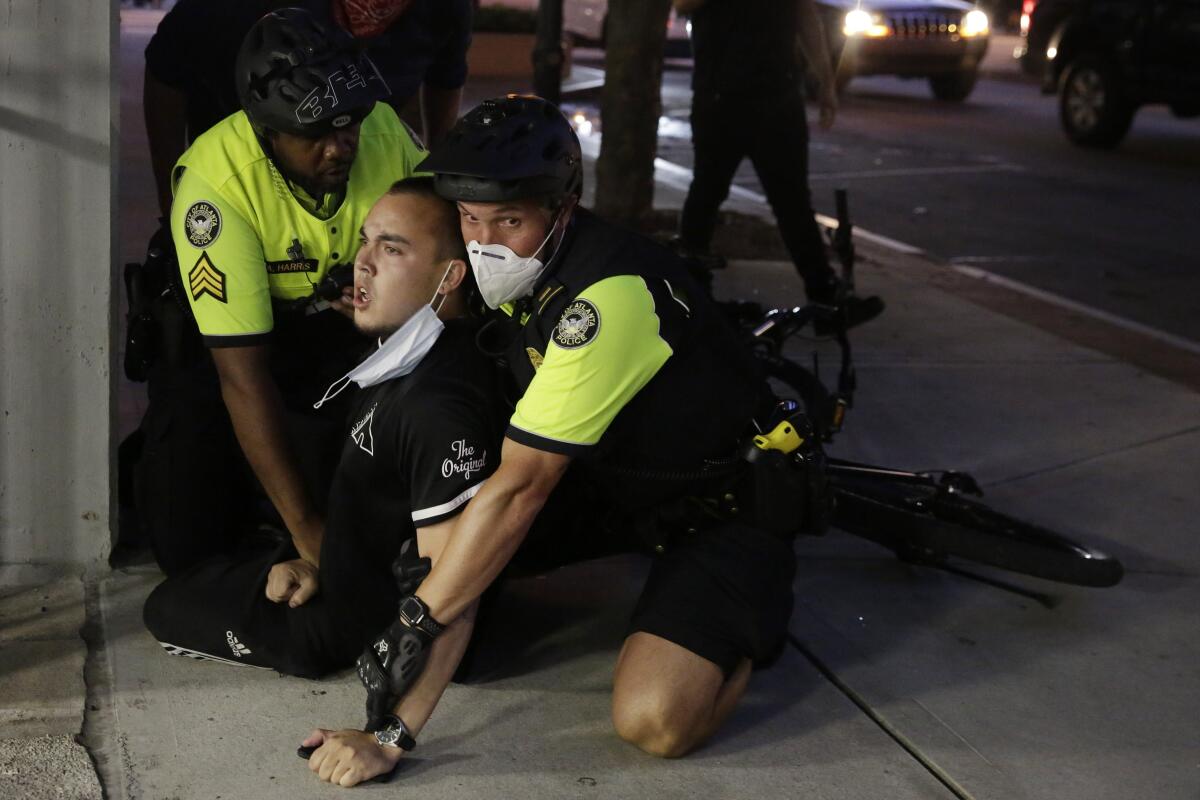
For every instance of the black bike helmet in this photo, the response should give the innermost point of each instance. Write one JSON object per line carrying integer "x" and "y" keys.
{"x": 294, "y": 75}
{"x": 508, "y": 148}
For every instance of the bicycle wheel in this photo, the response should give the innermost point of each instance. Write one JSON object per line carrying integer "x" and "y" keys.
{"x": 925, "y": 524}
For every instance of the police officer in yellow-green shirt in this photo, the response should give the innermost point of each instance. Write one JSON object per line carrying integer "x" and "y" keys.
{"x": 266, "y": 204}
{"x": 642, "y": 422}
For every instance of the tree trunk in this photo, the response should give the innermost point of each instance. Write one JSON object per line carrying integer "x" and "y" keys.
{"x": 635, "y": 34}
{"x": 548, "y": 53}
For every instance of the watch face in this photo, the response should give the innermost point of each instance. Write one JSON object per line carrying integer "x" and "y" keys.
{"x": 412, "y": 609}
{"x": 388, "y": 736}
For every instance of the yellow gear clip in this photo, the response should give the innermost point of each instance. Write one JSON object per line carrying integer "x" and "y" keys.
{"x": 783, "y": 437}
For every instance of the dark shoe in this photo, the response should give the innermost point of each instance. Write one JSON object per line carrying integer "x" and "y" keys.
{"x": 851, "y": 311}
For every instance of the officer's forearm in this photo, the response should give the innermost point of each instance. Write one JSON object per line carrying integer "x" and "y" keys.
{"x": 165, "y": 111}
{"x": 257, "y": 412}
{"x": 491, "y": 529}
{"x": 439, "y": 111}
{"x": 810, "y": 36}
{"x": 416, "y": 707}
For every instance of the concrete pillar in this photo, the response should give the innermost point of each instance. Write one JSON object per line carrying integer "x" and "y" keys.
{"x": 58, "y": 132}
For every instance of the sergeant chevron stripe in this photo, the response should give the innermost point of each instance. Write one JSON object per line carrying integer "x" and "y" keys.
{"x": 207, "y": 279}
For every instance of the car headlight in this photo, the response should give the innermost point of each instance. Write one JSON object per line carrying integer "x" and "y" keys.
{"x": 974, "y": 24}
{"x": 864, "y": 23}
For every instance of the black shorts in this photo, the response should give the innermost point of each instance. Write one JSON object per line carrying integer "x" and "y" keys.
{"x": 724, "y": 593}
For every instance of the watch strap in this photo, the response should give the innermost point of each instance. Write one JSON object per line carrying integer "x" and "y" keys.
{"x": 415, "y": 613}
{"x": 395, "y": 733}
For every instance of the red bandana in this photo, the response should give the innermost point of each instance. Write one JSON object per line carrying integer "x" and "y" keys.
{"x": 367, "y": 18}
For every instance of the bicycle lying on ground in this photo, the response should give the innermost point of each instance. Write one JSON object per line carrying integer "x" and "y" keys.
{"x": 923, "y": 517}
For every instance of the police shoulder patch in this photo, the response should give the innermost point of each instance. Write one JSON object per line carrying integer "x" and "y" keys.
{"x": 206, "y": 279}
{"x": 202, "y": 223}
{"x": 578, "y": 325}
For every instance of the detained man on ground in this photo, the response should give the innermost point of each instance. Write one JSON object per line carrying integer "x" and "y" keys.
{"x": 421, "y": 439}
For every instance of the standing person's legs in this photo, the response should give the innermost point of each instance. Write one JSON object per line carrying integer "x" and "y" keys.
{"x": 714, "y": 604}
{"x": 718, "y": 144}
{"x": 778, "y": 148}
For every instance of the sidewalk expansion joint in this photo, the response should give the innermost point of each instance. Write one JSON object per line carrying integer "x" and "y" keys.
{"x": 1166, "y": 437}
{"x": 97, "y": 681}
{"x": 910, "y": 747}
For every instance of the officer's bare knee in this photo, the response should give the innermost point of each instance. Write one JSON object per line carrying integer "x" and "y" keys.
{"x": 652, "y": 728}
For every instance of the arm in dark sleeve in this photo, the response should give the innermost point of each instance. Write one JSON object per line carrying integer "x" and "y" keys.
{"x": 171, "y": 61}
{"x": 448, "y": 68}
{"x": 175, "y": 50}
{"x": 165, "y": 111}
{"x": 439, "y": 112}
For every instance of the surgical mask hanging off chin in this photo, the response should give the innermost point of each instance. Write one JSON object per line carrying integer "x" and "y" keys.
{"x": 399, "y": 353}
{"x": 501, "y": 274}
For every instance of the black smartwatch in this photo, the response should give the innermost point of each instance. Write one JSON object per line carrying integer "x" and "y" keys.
{"x": 394, "y": 733}
{"x": 415, "y": 613}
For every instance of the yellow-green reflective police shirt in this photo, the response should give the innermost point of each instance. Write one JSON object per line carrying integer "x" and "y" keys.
{"x": 604, "y": 349}
{"x": 234, "y": 220}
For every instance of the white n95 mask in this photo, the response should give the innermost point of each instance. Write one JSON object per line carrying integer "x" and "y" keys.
{"x": 501, "y": 274}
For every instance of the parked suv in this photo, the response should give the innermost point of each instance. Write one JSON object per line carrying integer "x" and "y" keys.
{"x": 1107, "y": 58}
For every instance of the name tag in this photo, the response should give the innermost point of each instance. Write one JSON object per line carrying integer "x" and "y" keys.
{"x": 294, "y": 265}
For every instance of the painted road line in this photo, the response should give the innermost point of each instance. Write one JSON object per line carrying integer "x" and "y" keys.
{"x": 683, "y": 178}
{"x": 680, "y": 177}
{"x": 910, "y": 172}
{"x": 875, "y": 238}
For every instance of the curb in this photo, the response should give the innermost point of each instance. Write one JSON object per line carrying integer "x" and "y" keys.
{"x": 1042, "y": 310}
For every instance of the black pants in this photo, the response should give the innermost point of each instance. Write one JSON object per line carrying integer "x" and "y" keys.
{"x": 724, "y": 594}
{"x": 218, "y": 610}
{"x": 773, "y": 133}
{"x": 194, "y": 491}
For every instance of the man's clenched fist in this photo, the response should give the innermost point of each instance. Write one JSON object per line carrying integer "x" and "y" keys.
{"x": 293, "y": 582}
{"x": 349, "y": 757}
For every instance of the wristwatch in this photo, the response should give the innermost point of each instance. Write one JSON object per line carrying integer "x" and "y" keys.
{"x": 415, "y": 613}
{"x": 394, "y": 733}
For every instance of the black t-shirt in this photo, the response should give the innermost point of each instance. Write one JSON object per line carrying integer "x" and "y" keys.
{"x": 744, "y": 48}
{"x": 196, "y": 46}
{"x": 417, "y": 449}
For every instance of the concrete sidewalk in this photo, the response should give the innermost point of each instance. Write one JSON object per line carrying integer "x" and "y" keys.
{"x": 902, "y": 682}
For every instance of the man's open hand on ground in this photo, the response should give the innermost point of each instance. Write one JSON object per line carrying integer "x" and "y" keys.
{"x": 293, "y": 582}
{"x": 349, "y": 757}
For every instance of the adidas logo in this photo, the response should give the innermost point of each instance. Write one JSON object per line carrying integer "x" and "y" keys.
{"x": 237, "y": 647}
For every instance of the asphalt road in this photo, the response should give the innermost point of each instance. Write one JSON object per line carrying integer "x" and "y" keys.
{"x": 993, "y": 183}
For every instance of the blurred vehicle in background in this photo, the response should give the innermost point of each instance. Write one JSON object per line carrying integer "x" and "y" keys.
{"x": 1039, "y": 20}
{"x": 587, "y": 23}
{"x": 942, "y": 41}
{"x": 1107, "y": 58}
